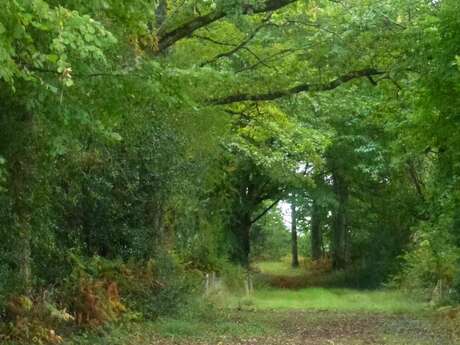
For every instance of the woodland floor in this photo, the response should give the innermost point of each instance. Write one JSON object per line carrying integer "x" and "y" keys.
{"x": 300, "y": 316}
{"x": 328, "y": 328}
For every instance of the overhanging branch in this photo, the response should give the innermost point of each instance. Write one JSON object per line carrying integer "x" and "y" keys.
{"x": 237, "y": 47}
{"x": 265, "y": 211}
{"x": 272, "y": 95}
{"x": 167, "y": 39}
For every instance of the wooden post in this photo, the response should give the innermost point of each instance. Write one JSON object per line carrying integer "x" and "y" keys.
{"x": 213, "y": 280}
{"x": 248, "y": 285}
{"x": 206, "y": 284}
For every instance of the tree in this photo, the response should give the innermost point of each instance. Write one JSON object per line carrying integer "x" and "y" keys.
{"x": 132, "y": 128}
{"x": 294, "y": 247}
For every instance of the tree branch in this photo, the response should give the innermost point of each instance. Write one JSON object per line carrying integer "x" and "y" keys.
{"x": 269, "y": 96}
{"x": 264, "y": 212}
{"x": 210, "y": 39}
{"x": 416, "y": 180}
{"x": 264, "y": 61}
{"x": 237, "y": 47}
{"x": 167, "y": 39}
{"x": 88, "y": 75}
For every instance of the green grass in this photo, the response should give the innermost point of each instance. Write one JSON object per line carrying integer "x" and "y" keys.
{"x": 222, "y": 326}
{"x": 332, "y": 299}
{"x": 247, "y": 326}
{"x": 323, "y": 299}
{"x": 313, "y": 298}
{"x": 232, "y": 317}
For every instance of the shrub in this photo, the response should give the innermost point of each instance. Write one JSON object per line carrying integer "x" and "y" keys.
{"x": 91, "y": 291}
{"x": 431, "y": 267}
{"x": 35, "y": 321}
{"x": 100, "y": 291}
{"x": 175, "y": 288}
{"x": 101, "y": 288}
{"x": 233, "y": 277}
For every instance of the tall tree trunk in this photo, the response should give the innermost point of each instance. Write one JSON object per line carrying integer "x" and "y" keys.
{"x": 242, "y": 232}
{"x": 246, "y": 241}
{"x": 315, "y": 232}
{"x": 339, "y": 245}
{"x": 294, "y": 248}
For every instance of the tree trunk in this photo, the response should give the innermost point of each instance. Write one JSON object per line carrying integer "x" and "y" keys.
{"x": 242, "y": 231}
{"x": 339, "y": 245}
{"x": 315, "y": 232}
{"x": 246, "y": 242}
{"x": 294, "y": 248}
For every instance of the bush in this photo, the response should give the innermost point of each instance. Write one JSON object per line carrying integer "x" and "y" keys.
{"x": 431, "y": 266}
{"x": 175, "y": 288}
{"x": 153, "y": 287}
{"x": 91, "y": 291}
{"x": 35, "y": 321}
{"x": 100, "y": 291}
{"x": 233, "y": 277}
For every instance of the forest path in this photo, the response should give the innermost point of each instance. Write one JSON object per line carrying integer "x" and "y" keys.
{"x": 293, "y": 310}
{"x": 293, "y": 327}
{"x": 316, "y": 316}
{"x": 296, "y": 316}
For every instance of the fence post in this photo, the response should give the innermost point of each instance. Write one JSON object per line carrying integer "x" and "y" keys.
{"x": 248, "y": 286}
{"x": 206, "y": 284}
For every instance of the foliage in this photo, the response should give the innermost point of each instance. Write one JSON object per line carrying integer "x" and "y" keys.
{"x": 270, "y": 238}
{"x": 102, "y": 290}
{"x": 33, "y": 322}
{"x": 432, "y": 265}
{"x": 151, "y": 139}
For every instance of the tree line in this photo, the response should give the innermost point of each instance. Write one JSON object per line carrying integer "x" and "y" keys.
{"x": 171, "y": 128}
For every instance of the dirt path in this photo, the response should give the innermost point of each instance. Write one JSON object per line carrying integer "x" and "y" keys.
{"x": 278, "y": 315}
{"x": 327, "y": 328}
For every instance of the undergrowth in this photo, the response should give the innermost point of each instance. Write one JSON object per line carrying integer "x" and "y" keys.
{"x": 99, "y": 293}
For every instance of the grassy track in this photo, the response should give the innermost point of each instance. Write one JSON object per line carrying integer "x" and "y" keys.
{"x": 310, "y": 316}
{"x": 334, "y": 300}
